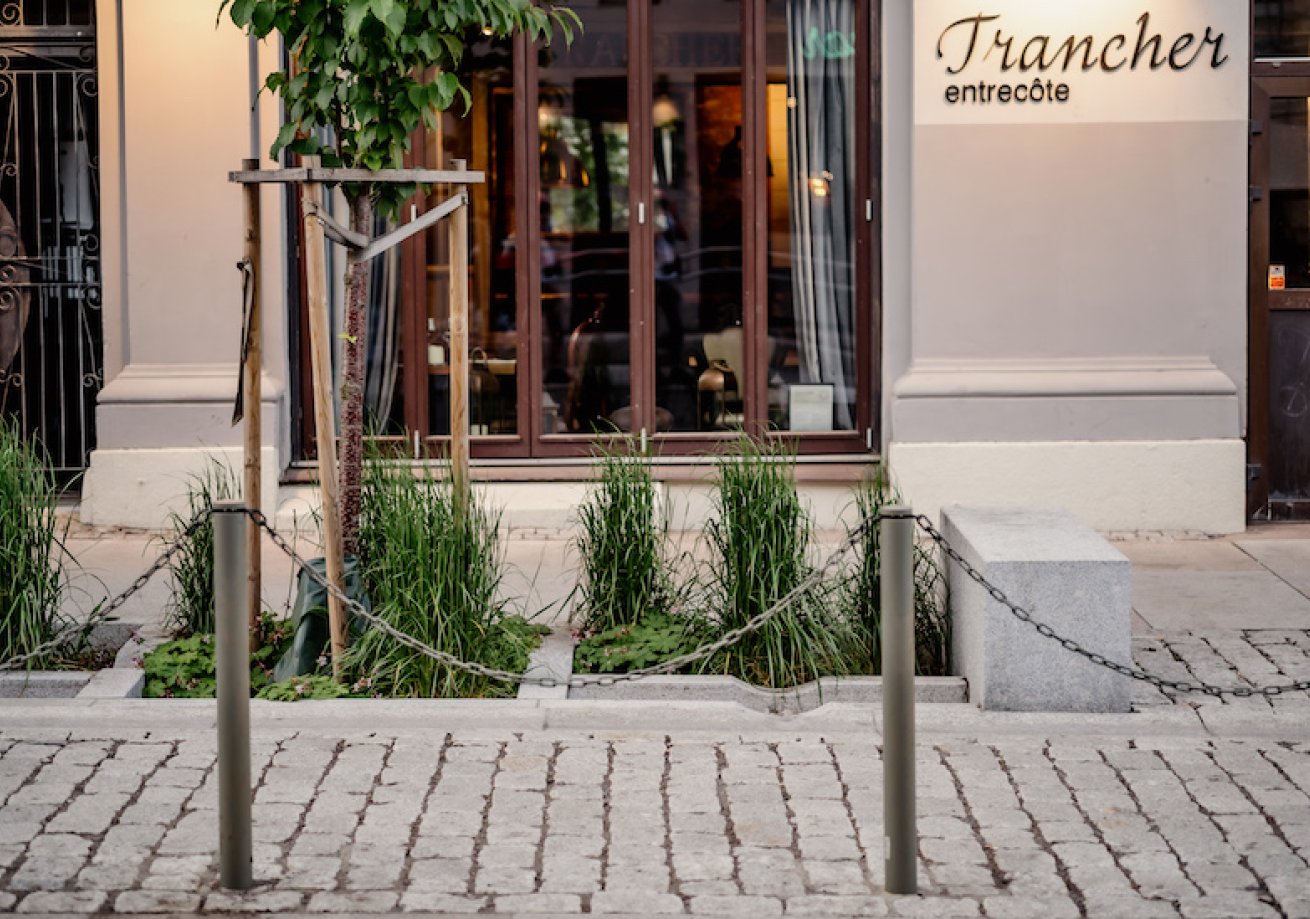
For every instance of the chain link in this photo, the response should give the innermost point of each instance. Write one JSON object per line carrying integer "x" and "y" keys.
{"x": 105, "y": 612}
{"x": 705, "y": 651}
{"x": 708, "y": 650}
{"x": 1182, "y": 686}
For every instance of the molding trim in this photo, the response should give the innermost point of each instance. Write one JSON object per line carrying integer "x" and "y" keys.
{"x": 172, "y": 383}
{"x": 938, "y": 378}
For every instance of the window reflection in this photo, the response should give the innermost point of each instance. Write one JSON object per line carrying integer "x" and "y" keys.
{"x": 696, "y": 119}
{"x": 1282, "y": 28}
{"x": 1289, "y": 190}
{"x": 582, "y": 120}
{"x": 484, "y": 138}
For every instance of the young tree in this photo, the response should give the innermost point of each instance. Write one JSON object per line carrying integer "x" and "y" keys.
{"x": 366, "y": 74}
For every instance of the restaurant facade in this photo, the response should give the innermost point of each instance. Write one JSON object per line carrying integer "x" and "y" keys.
{"x": 1017, "y": 252}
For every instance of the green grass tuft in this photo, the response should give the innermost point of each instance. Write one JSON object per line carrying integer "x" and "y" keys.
{"x": 191, "y": 604}
{"x": 31, "y": 581}
{"x": 862, "y": 591}
{"x": 433, "y": 573}
{"x": 760, "y": 542}
{"x": 625, "y": 575}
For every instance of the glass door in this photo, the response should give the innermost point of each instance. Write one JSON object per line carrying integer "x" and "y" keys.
{"x": 674, "y": 239}
{"x": 582, "y": 170}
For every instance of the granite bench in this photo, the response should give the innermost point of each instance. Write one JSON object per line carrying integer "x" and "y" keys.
{"x": 1068, "y": 577}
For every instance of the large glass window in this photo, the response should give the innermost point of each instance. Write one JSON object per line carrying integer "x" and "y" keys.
{"x": 1282, "y": 28}
{"x": 670, "y": 239}
{"x": 582, "y": 162}
{"x": 696, "y": 122}
{"x": 484, "y": 138}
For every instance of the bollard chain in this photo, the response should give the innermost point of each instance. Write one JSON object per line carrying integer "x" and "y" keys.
{"x": 728, "y": 639}
{"x": 1135, "y": 673}
{"x": 105, "y": 612}
{"x": 708, "y": 650}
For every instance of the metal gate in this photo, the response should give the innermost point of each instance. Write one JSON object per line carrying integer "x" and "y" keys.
{"x": 51, "y": 331}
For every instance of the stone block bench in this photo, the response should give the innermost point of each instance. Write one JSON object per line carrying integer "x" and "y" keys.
{"x": 1064, "y": 574}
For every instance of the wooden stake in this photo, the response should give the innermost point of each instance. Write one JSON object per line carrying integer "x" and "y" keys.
{"x": 459, "y": 342}
{"x": 253, "y": 409}
{"x": 320, "y": 335}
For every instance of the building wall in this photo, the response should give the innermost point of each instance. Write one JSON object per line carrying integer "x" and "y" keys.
{"x": 175, "y": 109}
{"x": 1077, "y": 314}
{"x": 1063, "y": 311}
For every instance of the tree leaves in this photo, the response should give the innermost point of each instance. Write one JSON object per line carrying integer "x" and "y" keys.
{"x": 369, "y": 73}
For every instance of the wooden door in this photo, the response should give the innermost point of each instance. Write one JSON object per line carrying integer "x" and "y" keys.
{"x": 1279, "y": 426}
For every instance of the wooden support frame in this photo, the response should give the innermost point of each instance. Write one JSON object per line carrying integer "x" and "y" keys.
{"x": 312, "y": 178}
{"x": 253, "y": 416}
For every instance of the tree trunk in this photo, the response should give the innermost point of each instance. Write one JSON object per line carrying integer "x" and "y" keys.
{"x": 352, "y": 377}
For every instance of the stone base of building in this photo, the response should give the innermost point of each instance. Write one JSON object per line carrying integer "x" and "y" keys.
{"x": 1176, "y": 487}
{"x": 140, "y": 488}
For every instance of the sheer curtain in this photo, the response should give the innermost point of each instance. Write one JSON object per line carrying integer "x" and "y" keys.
{"x": 821, "y": 132}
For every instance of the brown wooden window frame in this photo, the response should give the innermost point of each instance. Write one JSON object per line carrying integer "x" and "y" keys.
{"x": 531, "y": 442}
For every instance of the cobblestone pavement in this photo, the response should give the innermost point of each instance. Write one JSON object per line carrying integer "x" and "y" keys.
{"x": 571, "y": 807}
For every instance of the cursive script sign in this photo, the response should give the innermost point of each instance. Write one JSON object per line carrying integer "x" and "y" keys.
{"x": 1080, "y": 60}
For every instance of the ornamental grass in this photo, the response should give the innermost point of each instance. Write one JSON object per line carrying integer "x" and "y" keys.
{"x": 31, "y": 582}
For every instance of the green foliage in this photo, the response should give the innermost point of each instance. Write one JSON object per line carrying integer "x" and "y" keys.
{"x": 181, "y": 669}
{"x": 760, "y": 544}
{"x": 372, "y": 72}
{"x": 433, "y": 573}
{"x": 313, "y": 686}
{"x": 184, "y": 668}
{"x": 657, "y": 637}
{"x": 191, "y": 604}
{"x": 31, "y": 582}
{"x": 862, "y": 592}
{"x": 625, "y": 575}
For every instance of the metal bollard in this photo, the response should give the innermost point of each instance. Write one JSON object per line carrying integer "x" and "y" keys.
{"x": 902, "y": 846}
{"x": 232, "y": 666}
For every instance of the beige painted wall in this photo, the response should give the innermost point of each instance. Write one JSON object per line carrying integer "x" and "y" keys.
{"x": 1076, "y": 302}
{"x": 175, "y": 110}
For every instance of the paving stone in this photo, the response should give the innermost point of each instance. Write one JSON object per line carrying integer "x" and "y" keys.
{"x": 157, "y": 901}
{"x": 372, "y": 901}
{"x": 426, "y": 901}
{"x": 933, "y": 906}
{"x": 1021, "y": 907}
{"x": 254, "y": 901}
{"x": 74, "y": 901}
{"x": 836, "y": 877}
{"x": 822, "y": 905}
{"x": 736, "y": 906}
{"x": 538, "y": 903}
{"x": 635, "y": 903}
{"x": 1226, "y": 906}
{"x": 505, "y": 880}
{"x": 1130, "y": 904}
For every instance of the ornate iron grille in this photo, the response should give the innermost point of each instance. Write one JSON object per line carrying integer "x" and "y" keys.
{"x": 51, "y": 331}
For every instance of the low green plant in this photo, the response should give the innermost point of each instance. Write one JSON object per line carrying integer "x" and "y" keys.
{"x": 433, "y": 571}
{"x": 657, "y": 637}
{"x": 309, "y": 687}
{"x": 862, "y": 592}
{"x": 760, "y": 547}
{"x": 191, "y": 604}
{"x": 184, "y": 668}
{"x": 621, "y": 546}
{"x": 31, "y": 581}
